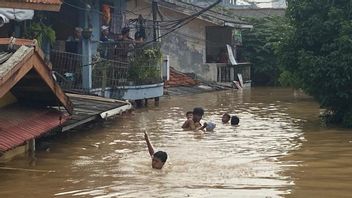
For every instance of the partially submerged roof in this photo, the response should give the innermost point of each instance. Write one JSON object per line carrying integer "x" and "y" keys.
{"x": 48, "y": 5}
{"x": 210, "y": 16}
{"x": 24, "y": 73}
{"x": 19, "y": 124}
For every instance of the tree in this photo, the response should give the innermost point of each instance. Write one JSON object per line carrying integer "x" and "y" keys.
{"x": 261, "y": 48}
{"x": 318, "y": 54}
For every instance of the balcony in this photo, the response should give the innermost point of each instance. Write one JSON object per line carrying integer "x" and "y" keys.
{"x": 120, "y": 70}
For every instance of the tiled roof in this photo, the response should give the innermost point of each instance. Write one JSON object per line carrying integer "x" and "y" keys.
{"x": 42, "y": 1}
{"x": 179, "y": 79}
{"x": 48, "y": 5}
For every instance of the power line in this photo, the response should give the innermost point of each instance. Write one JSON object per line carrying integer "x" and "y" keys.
{"x": 188, "y": 20}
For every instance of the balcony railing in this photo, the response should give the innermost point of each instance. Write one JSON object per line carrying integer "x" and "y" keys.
{"x": 229, "y": 73}
{"x": 114, "y": 66}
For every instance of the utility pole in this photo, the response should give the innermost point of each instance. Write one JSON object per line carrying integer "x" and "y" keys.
{"x": 155, "y": 12}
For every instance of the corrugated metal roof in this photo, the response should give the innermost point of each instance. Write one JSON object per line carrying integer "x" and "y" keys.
{"x": 19, "y": 125}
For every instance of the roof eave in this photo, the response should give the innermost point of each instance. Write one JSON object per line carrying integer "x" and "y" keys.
{"x": 31, "y": 6}
{"x": 239, "y": 26}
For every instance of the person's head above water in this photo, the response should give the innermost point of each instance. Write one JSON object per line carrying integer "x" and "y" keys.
{"x": 159, "y": 159}
{"x": 235, "y": 120}
{"x": 225, "y": 118}
{"x": 189, "y": 115}
{"x": 198, "y": 113}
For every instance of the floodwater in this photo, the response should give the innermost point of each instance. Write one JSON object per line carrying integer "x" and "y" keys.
{"x": 280, "y": 149}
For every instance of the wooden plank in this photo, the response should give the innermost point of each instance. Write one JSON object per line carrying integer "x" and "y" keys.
{"x": 18, "y": 41}
{"x": 10, "y": 81}
{"x": 31, "y": 6}
{"x": 45, "y": 73}
{"x": 16, "y": 61}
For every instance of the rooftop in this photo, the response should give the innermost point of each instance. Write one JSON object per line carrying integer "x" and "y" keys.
{"x": 48, "y": 5}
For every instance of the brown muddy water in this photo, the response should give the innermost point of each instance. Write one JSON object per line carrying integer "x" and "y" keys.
{"x": 280, "y": 149}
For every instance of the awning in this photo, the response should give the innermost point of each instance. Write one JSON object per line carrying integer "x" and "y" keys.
{"x": 20, "y": 124}
{"x": 7, "y": 14}
{"x": 47, "y": 5}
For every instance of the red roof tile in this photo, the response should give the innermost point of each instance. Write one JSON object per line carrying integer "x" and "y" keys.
{"x": 49, "y": 5}
{"x": 179, "y": 79}
{"x": 18, "y": 125}
{"x": 35, "y": 1}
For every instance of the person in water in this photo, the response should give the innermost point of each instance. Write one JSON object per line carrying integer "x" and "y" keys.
{"x": 194, "y": 123}
{"x": 225, "y": 118}
{"x": 189, "y": 116}
{"x": 158, "y": 158}
{"x": 234, "y": 120}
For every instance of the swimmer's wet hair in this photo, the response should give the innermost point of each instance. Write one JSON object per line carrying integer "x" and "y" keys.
{"x": 161, "y": 155}
{"x": 235, "y": 120}
{"x": 227, "y": 115}
{"x": 198, "y": 111}
{"x": 189, "y": 112}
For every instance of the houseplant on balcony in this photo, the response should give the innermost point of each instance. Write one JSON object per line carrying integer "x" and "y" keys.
{"x": 145, "y": 66}
{"x": 42, "y": 33}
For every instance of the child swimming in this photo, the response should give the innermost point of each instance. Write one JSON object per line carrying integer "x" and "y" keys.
{"x": 234, "y": 120}
{"x": 189, "y": 116}
{"x": 194, "y": 123}
{"x": 158, "y": 158}
{"x": 225, "y": 118}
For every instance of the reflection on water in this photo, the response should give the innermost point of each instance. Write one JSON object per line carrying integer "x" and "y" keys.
{"x": 279, "y": 150}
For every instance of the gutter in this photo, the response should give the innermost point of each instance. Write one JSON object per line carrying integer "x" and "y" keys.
{"x": 116, "y": 111}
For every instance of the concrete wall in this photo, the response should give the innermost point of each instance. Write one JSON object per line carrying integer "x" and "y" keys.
{"x": 257, "y": 12}
{"x": 185, "y": 46}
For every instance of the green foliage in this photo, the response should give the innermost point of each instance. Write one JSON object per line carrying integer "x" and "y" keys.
{"x": 41, "y": 32}
{"x": 261, "y": 47}
{"x": 145, "y": 66}
{"x": 319, "y": 54}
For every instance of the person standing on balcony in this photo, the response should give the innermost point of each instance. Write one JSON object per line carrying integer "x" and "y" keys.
{"x": 73, "y": 42}
{"x": 105, "y": 34}
{"x": 77, "y": 35}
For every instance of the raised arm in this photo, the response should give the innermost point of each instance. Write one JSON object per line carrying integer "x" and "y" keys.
{"x": 149, "y": 144}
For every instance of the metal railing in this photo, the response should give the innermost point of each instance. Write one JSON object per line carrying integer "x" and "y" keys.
{"x": 228, "y": 73}
{"x": 116, "y": 65}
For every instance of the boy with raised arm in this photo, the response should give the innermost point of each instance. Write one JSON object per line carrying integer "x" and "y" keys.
{"x": 158, "y": 158}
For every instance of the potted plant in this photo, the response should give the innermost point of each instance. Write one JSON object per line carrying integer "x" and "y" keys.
{"x": 145, "y": 66}
{"x": 42, "y": 33}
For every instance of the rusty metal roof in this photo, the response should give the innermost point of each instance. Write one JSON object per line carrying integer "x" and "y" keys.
{"x": 19, "y": 124}
{"x": 48, "y": 5}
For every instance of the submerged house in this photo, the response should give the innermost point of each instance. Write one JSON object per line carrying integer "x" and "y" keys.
{"x": 31, "y": 102}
